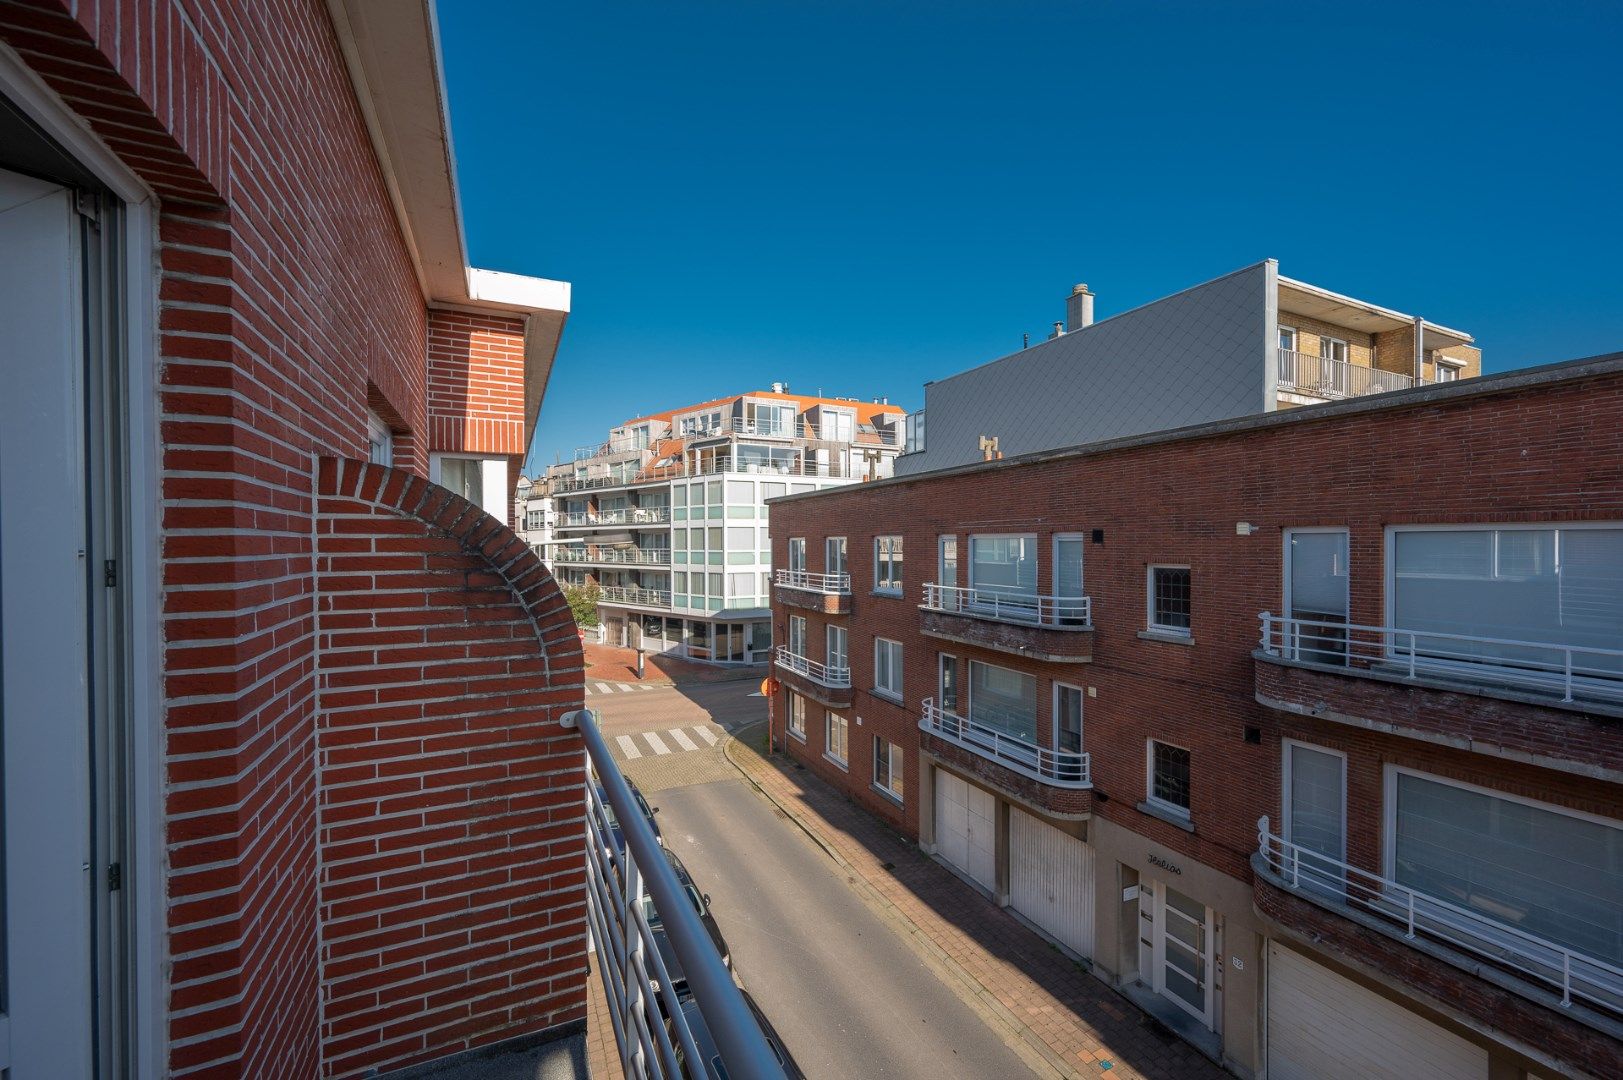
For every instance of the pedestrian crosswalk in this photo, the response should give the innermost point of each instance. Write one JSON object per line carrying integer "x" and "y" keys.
{"x": 656, "y": 743}
{"x": 620, "y": 687}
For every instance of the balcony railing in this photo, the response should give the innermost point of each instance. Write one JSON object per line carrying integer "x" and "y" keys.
{"x": 623, "y": 864}
{"x": 1320, "y": 376}
{"x": 833, "y": 584}
{"x": 799, "y": 429}
{"x": 1564, "y": 671}
{"x": 626, "y": 594}
{"x": 1331, "y": 882}
{"x": 633, "y": 557}
{"x": 837, "y": 678}
{"x": 635, "y": 515}
{"x": 1059, "y": 768}
{"x": 1064, "y": 612}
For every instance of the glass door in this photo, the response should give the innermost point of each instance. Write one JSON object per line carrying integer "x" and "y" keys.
{"x": 1183, "y": 952}
{"x": 1316, "y": 595}
{"x": 1314, "y": 782}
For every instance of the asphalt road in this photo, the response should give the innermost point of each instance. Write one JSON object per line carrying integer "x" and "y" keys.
{"x": 847, "y": 995}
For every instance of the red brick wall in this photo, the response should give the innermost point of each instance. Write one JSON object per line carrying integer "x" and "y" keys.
{"x": 475, "y": 383}
{"x": 452, "y": 874}
{"x": 287, "y": 299}
{"x": 1537, "y": 454}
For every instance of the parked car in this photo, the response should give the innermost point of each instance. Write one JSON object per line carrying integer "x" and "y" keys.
{"x": 706, "y": 1044}
{"x": 615, "y": 830}
{"x": 701, "y": 904}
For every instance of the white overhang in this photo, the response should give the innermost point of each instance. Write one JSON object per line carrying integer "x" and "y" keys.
{"x": 1300, "y": 298}
{"x": 391, "y": 48}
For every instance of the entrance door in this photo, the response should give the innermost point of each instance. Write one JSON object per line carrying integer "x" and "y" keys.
{"x": 1181, "y": 954}
{"x": 47, "y": 1028}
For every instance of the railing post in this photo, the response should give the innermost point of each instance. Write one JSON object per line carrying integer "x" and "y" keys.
{"x": 1413, "y": 649}
{"x": 1568, "y": 654}
{"x": 1411, "y": 913}
{"x": 1566, "y": 978}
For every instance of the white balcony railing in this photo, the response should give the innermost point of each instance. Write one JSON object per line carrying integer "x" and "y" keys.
{"x": 1564, "y": 671}
{"x": 1062, "y": 612}
{"x": 800, "y": 429}
{"x": 832, "y": 584}
{"x": 636, "y": 515}
{"x": 1058, "y": 768}
{"x": 1320, "y": 376}
{"x": 1331, "y": 882}
{"x": 627, "y": 594}
{"x": 837, "y": 678}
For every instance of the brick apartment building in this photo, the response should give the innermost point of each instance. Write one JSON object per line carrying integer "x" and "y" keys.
{"x": 286, "y": 791}
{"x": 1301, "y": 728}
{"x": 668, "y": 515}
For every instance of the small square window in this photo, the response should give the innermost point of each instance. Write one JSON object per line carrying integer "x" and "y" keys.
{"x": 1169, "y": 588}
{"x": 1169, "y": 777}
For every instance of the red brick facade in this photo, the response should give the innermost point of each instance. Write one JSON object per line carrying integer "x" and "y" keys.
{"x": 288, "y": 304}
{"x": 1548, "y": 452}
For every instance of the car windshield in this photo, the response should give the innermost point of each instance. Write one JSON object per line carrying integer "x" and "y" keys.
{"x": 608, "y": 811}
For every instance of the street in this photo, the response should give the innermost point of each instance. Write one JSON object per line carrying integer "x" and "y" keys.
{"x": 847, "y": 995}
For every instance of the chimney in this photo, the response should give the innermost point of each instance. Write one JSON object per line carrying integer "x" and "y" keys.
{"x": 1079, "y": 307}
{"x": 1058, "y": 331}
{"x": 780, "y": 388}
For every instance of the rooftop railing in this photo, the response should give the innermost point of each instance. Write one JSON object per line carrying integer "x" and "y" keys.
{"x": 645, "y": 1006}
{"x": 1567, "y": 672}
{"x": 837, "y": 678}
{"x": 1060, "y": 612}
{"x": 628, "y": 594}
{"x": 802, "y": 429}
{"x": 1059, "y": 768}
{"x": 832, "y": 584}
{"x": 1331, "y": 882}
{"x": 1320, "y": 376}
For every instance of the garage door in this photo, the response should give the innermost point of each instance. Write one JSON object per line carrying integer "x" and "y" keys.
{"x": 1322, "y": 1025}
{"x": 1051, "y": 881}
{"x": 965, "y": 817}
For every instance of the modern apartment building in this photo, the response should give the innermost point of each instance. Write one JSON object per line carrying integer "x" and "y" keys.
{"x": 287, "y": 788}
{"x": 535, "y": 513}
{"x": 668, "y": 516}
{"x": 1317, "y": 759}
{"x": 1251, "y": 341}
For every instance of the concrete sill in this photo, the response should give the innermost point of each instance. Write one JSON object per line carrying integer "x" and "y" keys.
{"x": 1167, "y": 636}
{"x": 887, "y": 795}
{"x": 1171, "y": 817}
{"x": 886, "y": 695}
{"x": 843, "y": 766}
{"x": 798, "y": 736}
{"x": 891, "y": 594}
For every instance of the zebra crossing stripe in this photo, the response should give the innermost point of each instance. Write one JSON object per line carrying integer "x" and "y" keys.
{"x": 604, "y": 688}
{"x": 628, "y": 747}
{"x": 682, "y": 739}
{"x": 706, "y": 734}
{"x": 655, "y": 742}
{"x": 625, "y": 687}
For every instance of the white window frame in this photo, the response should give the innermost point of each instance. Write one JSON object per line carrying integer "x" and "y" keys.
{"x": 1327, "y": 350}
{"x": 1149, "y": 779}
{"x": 379, "y": 440}
{"x": 1149, "y": 601}
{"x": 797, "y": 622}
{"x": 492, "y": 481}
{"x": 1082, "y": 719}
{"x": 1285, "y": 822}
{"x": 941, "y": 661}
{"x": 894, "y": 763}
{"x": 1288, "y": 332}
{"x": 1053, "y": 552}
{"x": 942, "y": 542}
{"x": 831, "y": 544}
{"x": 841, "y": 761}
{"x": 896, "y": 668}
{"x": 829, "y": 634}
{"x": 970, "y": 565}
{"x": 1453, "y": 367}
{"x": 795, "y": 714}
{"x": 880, "y": 584}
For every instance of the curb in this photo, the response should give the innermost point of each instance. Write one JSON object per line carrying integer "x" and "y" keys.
{"x": 1042, "y": 1058}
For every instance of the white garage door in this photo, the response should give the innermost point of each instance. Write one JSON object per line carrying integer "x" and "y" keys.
{"x": 1323, "y": 1026}
{"x": 1051, "y": 880}
{"x": 965, "y": 819}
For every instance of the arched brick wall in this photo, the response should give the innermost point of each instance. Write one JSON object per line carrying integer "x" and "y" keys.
{"x": 451, "y": 892}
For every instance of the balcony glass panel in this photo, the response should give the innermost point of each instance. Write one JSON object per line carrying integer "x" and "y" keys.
{"x": 1003, "y": 700}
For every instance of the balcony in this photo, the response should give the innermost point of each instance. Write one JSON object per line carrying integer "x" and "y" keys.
{"x": 1549, "y": 704}
{"x": 1537, "y": 989}
{"x": 829, "y": 594}
{"x": 1058, "y": 629}
{"x": 637, "y": 515}
{"x": 828, "y": 684}
{"x": 635, "y": 597}
{"x": 799, "y": 429}
{"x": 1333, "y": 380}
{"x": 1056, "y": 768}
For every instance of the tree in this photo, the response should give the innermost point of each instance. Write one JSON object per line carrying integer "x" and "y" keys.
{"x": 583, "y": 604}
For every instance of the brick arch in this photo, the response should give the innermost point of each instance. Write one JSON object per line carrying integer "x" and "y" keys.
{"x": 451, "y": 888}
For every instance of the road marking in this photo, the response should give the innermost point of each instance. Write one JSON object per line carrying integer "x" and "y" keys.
{"x": 682, "y": 739}
{"x": 706, "y": 734}
{"x": 655, "y": 742}
{"x": 603, "y": 687}
{"x": 625, "y": 687}
{"x": 629, "y": 747}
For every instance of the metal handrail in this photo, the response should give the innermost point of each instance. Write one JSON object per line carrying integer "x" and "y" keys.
{"x": 634, "y": 515}
{"x": 1058, "y": 768}
{"x": 1545, "y": 667}
{"x": 836, "y": 678}
{"x": 1065, "y": 612}
{"x": 629, "y": 594}
{"x": 833, "y": 584}
{"x": 618, "y": 876}
{"x": 1315, "y": 875}
{"x": 1324, "y": 377}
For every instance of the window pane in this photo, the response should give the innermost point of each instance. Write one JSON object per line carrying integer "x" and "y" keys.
{"x": 1068, "y": 566}
{"x": 1171, "y": 598}
{"x": 1003, "y": 564}
{"x": 1068, "y": 721}
{"x": 1171, "y": 775}
{"x": 1315, "y": 820}
{"x": 1003, "y": 700}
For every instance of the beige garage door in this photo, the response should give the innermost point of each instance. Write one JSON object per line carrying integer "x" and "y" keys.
{"x": 965, "y": 820}
{"x": 1051, "y": 881}
{"x": 1324, "y": 1027}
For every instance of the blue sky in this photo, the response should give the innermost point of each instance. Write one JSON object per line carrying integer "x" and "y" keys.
{"x": 860, "y": 197}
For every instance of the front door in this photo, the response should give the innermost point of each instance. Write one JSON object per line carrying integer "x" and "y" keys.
{"x": 47, "y": 892}
{"x": 1181, "y": 967}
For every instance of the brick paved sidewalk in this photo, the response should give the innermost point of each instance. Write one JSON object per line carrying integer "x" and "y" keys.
{"x": 1025, "y": 989}
{"x": 614, "y": 664}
